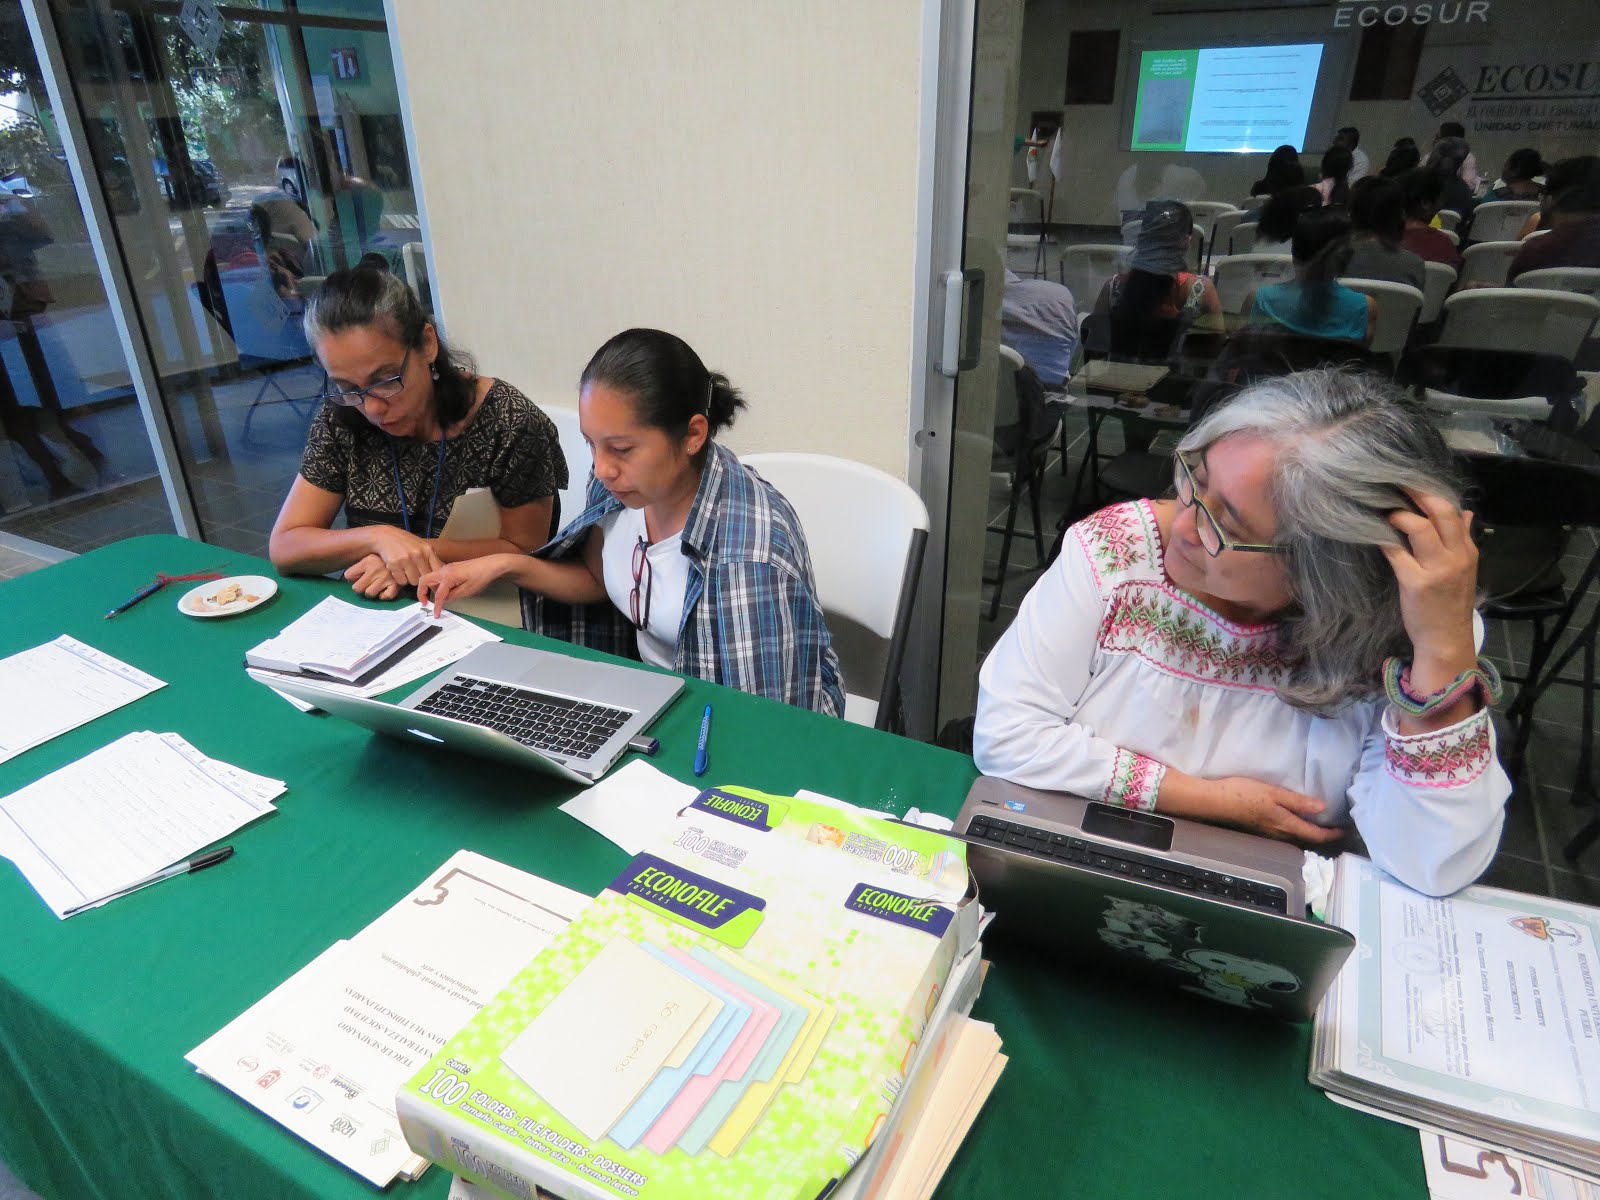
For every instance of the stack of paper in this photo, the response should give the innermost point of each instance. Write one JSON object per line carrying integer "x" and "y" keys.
{"x": 324, "y": 1053}
{"x": 58, "y": 686}
{"x": 1460, "y": 1170}
{"x": 1476, "y": 1015}
{"x": 342, "y": 641}
{"x": 733, "y": 1017}
{"x": 124, "y": 812}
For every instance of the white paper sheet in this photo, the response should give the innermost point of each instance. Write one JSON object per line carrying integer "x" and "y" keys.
{"x": 633, "y": 807}
{"x": 124, "y": 812}
{"x": 1461, "y": 1170}
{"x": 58, "y": 686}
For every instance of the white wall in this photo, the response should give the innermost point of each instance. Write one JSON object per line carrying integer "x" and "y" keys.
{"x": 1096, "y": 151}
{"x": 743, "y": 175}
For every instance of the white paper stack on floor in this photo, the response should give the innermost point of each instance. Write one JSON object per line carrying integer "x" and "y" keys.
{"x": 1475, "y": 1015}
{"x": 124, "y": 812}
{"x": 324, "y": 1053}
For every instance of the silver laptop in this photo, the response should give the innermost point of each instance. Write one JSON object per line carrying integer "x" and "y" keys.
{"x": 565, "y": 716}
{"x": 1213, "y": 911}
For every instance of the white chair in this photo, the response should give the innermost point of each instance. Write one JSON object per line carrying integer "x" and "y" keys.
{"x": 1237, "y": 275}
{"x": 1501, "y": 220}
{"x": 1398, "y": 306}
{"x": 1205, "y": 213}
{"x": 1438, "y": 279}
{"x": 1455, "y": 238}
{"x": 866, "y": 531}
{"x": 1518, "y": 318}
{"x": 1243, "y": 238}
{"x": 1027, "y": 205}
{"x": 1583, "y": 280}
{"x": 1222, "y": 233}
{"x": 1486, "y": 264}
{"x": 1085, "y": 269}
{"x": 1449, "y": 219}
{"x": 475, "y": 515}
{"x": 1532, "y": 408}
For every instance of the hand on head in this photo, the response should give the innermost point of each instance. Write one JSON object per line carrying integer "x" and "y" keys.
{"x": 1437, "y": 570}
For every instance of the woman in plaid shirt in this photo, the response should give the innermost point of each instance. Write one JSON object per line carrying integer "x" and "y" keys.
{"x": 683, "y": 557}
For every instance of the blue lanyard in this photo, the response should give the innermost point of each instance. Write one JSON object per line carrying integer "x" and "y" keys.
{"x": 433, "y": 501}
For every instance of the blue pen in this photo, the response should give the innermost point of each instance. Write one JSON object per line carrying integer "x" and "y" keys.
{"x": 702, "y": 754}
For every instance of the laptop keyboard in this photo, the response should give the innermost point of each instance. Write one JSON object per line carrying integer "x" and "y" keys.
{"x": 1097, "y": 856}
{"x": 549, "y": 724}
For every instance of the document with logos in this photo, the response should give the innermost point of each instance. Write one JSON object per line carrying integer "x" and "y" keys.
{"x": 1476, "y": 1014}
{"x": 56, "y": 687}
{"x": 1459, "y": 1170}
{"x": 324, "y": 1053}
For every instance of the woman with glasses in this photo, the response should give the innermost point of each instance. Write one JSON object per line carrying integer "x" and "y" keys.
{"x": 1286, "y": 647}
{"x": 684, "y": 557}
{"x": 407, "y": 426}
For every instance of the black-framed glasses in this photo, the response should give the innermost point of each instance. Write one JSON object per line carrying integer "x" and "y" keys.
{"x": 384, "y": 389}
{"x": 1211, "y": 536}
{"x": 639, "y": 613}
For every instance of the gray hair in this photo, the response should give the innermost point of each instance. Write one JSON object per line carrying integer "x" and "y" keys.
{"x": 1348, "y": 443}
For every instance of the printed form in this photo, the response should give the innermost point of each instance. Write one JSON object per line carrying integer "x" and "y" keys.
{"x": 50, "y": 689}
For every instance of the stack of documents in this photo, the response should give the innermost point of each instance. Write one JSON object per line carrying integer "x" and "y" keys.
{"x": 342, "y": 641}
{"x": 58, "y": 686}
{"x": 324, "y": 1053}
{"x": 734, "y": 1016}
{"x": 1475, "y": 1015}
{"x": 122, "y": 813}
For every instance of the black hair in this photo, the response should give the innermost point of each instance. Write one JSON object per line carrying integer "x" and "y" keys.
{"x": 1452, "y": 129}
{"x": 1283, "y": 171}
{"x": 1351, "y": 136}
{"x": 1402, "y": 158}
{"x": 367, "y": 294}
{"x": 1336, "y": 164}
{"x": 1282, "y": 211}
{"x": 1421, "y": 189}
{"x": 1525, "y": 163}
{"x": 1378, "y": 206}
{"x": 1143, "y": 292}
{"x": 668, "y": 382}
{"x": 1573, "y": 185}
{"x": 1321, "y": 249}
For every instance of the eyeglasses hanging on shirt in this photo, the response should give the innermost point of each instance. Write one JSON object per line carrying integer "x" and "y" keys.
{"x": 639, "y": 598}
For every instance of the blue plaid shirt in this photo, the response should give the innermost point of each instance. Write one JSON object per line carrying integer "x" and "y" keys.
{"x": 750, "y": 613}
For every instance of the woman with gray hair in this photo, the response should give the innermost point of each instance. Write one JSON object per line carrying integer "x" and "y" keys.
{"x": 1286, "y": 647}
{"x": 407, "y": 426}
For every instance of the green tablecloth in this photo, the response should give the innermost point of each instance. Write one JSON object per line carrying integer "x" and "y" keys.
{"x": 1110, "y": 1092}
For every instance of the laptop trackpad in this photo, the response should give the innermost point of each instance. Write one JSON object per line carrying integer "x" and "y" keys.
{"x": 1130, "y": 827}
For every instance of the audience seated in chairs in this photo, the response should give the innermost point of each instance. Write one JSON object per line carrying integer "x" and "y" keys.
{"x": 1314, "y": 302}
{"x": 1283, "y": 171}
{"x": 1158, "y": 283}
{"x": 1519, "y": 178}
{"x": 1278, "y": 217}
{"x": 1455, "y": 130}
{"x": 1572, "y": 215}
{"x": 1421, "y": 189}
{"x": 1404, "y": 157}
{"x": 1448, "y": 159}
{"x": 1334, "y": 186}
{"x": 1377, "y": 225}
{"x": 1360, "y": 165}
{"x": 1039, "y": 320}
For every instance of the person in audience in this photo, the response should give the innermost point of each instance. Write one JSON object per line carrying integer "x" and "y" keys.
{"x": 1334, "y": 186}
{"x": 1455, "y": 193}
{"x": 1283, "y": 171}
{"x": 1377, "y": 226}
{"x": 1402, "y": 158}
{"x": 1300, "y": 618}
{"x": 1421, "y": 189}
{"x": 1158, "y": 282}
{"x": 1278, "y": 217}
{"x": 1572, "y": 216}
{"x": 1519, "y": 178}
{"x": 1469, "y": 161}
{"x": 1360, "y": 165}
{"x": 1039, "y": 320}
{"x": 407, "y": 426}
{"x": 684, "y": 557}
{"x": 1314, "y": 303}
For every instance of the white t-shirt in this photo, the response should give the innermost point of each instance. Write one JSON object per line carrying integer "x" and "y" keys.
{"x": 667, "y": 575}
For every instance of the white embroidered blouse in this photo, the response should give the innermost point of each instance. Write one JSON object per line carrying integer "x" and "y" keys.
{"x": 1102, "y": 707}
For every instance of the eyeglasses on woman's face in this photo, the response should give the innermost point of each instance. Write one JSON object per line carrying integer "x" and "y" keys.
{"x": 1212, "y": 539}
{"x": 384, "y": 389}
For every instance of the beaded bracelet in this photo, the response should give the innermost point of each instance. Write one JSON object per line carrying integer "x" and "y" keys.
{"x": 1482, "y": 678}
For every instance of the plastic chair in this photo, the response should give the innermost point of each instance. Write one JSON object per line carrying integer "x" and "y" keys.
{"x": 1085, "y": 269}
{"x": 866, "y": 531}
{"x": 1486, "y": 264}
{"x": 1021, "y": 200}
{"x": 1222, "y": 233}
{"x": 1024, "y": 426}
{"x": 1237, "y": 275}
{"x": 1449, "y": 220}
{"x": 1519, "y": 319}
{"x": 1206, "y": 213}
{"x": 1501, "y": 220}
{"x": 580, "y": 465}
{"x": 1243, "y": 238}
{"x": 1585, "y": 281}
{"x": 1398, "y": 306}
{"x": 1494, "y": 383}
{"x": 1438, "y": 279}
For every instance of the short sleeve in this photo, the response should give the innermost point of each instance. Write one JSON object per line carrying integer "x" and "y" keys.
{"x": 529, "y": 464}
{"x": 329, "y": 449}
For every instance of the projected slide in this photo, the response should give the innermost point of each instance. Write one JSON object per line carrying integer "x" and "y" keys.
{"x": 1225, "y": 100}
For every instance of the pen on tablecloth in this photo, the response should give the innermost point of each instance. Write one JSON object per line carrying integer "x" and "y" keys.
{"x": 702, "y": 754}
{"x": 198, "y": 863}
{"x": 161, "y": 581}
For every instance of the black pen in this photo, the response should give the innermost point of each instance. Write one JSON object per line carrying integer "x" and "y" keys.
{"x": 198, "y": 863}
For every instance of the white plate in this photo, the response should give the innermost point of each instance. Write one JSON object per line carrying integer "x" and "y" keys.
{"x": 254, "y": 590}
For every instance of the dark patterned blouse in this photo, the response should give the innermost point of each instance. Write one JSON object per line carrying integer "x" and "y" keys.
{"x": 510, "y": 447}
